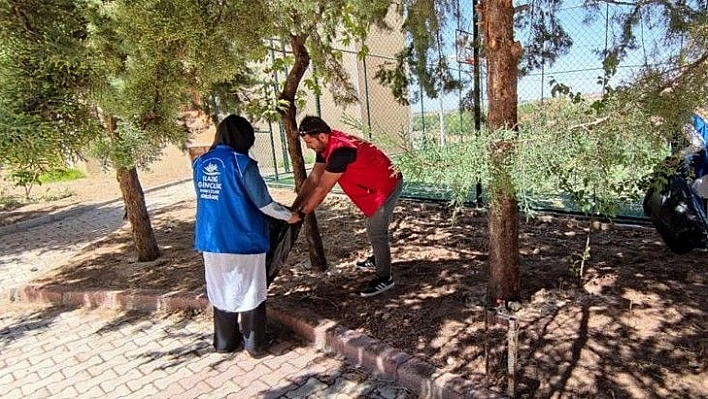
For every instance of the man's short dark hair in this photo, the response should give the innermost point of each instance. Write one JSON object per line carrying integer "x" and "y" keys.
{"x": 236, "y": 132}
{"x": 313, "y": 124}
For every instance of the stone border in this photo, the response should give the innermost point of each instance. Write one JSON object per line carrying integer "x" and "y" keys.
{"x": 376, "y": 357}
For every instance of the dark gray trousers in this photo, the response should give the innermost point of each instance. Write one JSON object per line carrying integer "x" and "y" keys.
{"x": 230, "y": 332}
{"x": 377, "y": 231}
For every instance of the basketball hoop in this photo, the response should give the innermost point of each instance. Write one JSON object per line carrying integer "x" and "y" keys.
{"x": 464, "y": 44}
{"x": 480, "y": 62}
{"x": 465, "y": 49}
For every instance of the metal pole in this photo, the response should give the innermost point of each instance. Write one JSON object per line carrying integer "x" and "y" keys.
{"x": 545, "y": 111}
{"x": 459, "y": 75}
{"x": 477, "y": 87}
{"x": 476, "y": 69}
{"x": 607, "y": 23}
{"x": 272, "y": 139}
{"x": 318, "y": 103}
{"x": 513, "y": 353}
{"x": 284, "y": 149}
{"x": 272, "y": 150}
{"x": 486, "y": 345}
{"x": 422, "y": 113}
{"x": 366, "y": 93}
{"x": 496, "y": 316}
{"x": 441, "y": 139}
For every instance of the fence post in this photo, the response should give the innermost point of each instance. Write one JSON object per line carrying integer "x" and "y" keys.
{"x": 276, "y": 87}
{"x": 422, "y": 113}
{"x": 272, "y": 150}
{"x": 283, "y": 139}
{"x": 477, "y": 89}
{"x": 318, "y": 102}
{"x": 496, "y": 316}
{"x": 366, "y": 93}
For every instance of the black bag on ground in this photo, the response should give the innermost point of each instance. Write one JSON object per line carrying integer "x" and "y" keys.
{"x": 677, "y": 212}
{"x": 282, "y": 239}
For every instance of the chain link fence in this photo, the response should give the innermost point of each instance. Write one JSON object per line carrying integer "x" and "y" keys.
{"x": 449, "y": 117}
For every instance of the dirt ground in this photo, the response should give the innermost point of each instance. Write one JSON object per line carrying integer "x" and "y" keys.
{"x": 636, "y": 327}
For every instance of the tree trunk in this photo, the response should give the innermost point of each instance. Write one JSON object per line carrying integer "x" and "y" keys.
{"x": 134, "y": 199}
{"x": 289, "y": 119}
{"x": 502, "y": 59}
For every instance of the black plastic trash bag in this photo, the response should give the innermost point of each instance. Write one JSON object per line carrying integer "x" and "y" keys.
{"x": 677, "y": 212}
{"x": 282, "y": 239}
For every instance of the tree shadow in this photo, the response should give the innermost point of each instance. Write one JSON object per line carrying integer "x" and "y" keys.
{"x": 319, "y": 376}
{"x": 635, "y": 327}
{"x": 77, "y": 227}
{"x": 600, "y": 340}
{"x": 343, "y": 381}
{"x": 31, "y": 322}
{"x": 109, "y": 264}
{"x": 322, "y": 380}
{"x": 79, "y": 224}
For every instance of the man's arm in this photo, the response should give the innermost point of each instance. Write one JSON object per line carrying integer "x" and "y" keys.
{"x": 320, "y": 190}
{"x": 322, "y": 178}
{"x": 309, "y": 185}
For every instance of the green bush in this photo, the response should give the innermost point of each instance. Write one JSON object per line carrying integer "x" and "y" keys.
{"x": 9, "y": 202}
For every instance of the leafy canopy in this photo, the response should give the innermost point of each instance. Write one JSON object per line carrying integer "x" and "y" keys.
{"x": 44, "y": 77}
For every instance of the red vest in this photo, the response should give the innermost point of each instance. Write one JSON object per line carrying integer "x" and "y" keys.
{"x": 370, "y": 179}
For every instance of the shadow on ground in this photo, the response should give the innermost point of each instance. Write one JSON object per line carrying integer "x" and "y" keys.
{"x": 634, "y": 327}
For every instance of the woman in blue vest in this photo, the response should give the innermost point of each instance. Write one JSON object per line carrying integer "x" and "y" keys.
{"x": 231, "y": 231}
{"x": 696, "y": 133}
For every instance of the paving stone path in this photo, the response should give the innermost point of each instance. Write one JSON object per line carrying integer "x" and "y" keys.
{"x": 62, "y": 352}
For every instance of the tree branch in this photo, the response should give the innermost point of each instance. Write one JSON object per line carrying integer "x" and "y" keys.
{"x": 302, "y": 61}
{"x": 685, "y": 70}
{"x": 588, "y": 125}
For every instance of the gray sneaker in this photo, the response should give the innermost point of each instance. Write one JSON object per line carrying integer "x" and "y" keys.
{"x": 377, "y": 286}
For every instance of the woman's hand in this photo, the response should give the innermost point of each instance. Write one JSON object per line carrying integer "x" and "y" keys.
{"x": 294, "y": 218}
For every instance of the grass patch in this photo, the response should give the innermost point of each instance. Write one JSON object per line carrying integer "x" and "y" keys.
{"x": 61, "y": 175}
{"x": 57, "y": 195}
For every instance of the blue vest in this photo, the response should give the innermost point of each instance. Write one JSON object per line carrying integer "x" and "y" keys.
{"x": 700, "y": 162}
{"x": 227, "y": 221}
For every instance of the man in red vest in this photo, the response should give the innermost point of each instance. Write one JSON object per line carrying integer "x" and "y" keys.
{"x": 366, "y": 176}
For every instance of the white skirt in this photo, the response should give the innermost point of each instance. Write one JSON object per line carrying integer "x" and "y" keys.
{"x": 235, "y": 283}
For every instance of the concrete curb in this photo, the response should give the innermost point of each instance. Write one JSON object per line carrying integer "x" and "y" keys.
{"x": 376, "y": 357}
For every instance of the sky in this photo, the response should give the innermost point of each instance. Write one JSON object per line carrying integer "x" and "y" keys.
{"x": 579, "y": 69}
